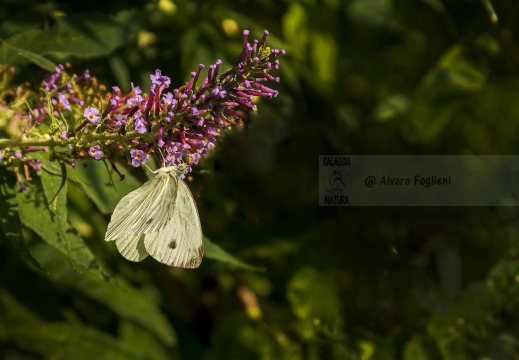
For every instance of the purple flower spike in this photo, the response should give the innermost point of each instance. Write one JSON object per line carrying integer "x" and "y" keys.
{"x": 91, "y": 115}
{"x": 138, "y": 157}
{"x": 95, "y": 152}
{"x": 181, "y": 125}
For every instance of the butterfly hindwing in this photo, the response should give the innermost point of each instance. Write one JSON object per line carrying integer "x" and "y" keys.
{"x": 180, "y": 243}
{"x": 132, "y": 247}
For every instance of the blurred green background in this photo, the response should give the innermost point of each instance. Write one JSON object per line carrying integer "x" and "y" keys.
{"x": 359, "y": 77}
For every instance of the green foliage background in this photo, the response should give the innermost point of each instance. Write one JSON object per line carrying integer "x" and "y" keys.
{"x": 359, "y": 77}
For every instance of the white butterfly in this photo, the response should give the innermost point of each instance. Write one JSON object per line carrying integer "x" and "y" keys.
{"x": 160, "y": 219}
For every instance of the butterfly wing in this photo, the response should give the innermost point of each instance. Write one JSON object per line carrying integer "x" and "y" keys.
{"x": 180, "y": 243}
{"x": 145, "y": 210}
{"x": 132, "y": 247}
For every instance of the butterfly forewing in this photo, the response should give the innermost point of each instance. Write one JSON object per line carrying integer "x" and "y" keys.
{"x": 145, "y": 210}
{"x": 180, "y": 243}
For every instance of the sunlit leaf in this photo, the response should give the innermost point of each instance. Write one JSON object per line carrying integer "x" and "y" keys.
{"x": 55, "y": 191}
{"x": 37, "y": 216}
{"x": 490, "y": 10}
{"x": 324, "y": 57}
{"x": 296, "y": 29}
{"x": 415, "y": 350}
{"x": 392, "y": 107}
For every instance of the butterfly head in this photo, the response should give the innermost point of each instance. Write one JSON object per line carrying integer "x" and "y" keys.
{"x": 181, "y": 169}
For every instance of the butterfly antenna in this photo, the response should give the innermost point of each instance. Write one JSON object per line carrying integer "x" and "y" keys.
{"x": 163, "y": 157}
{"x": 148, "y": 167}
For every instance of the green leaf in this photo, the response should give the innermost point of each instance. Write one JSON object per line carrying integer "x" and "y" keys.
{"x": 78, "y": 35}
{"x": 63, "y": 172}
{"x": 39, "y": 60}
{"x": 124, "y": 300}
{"x": 490, "y": 10}
{"x": 11, "y": 311}
{"x": 121, "y": 72}
{"x": 142, "y": 342}
{"x": 449, "y": 328}
{"x": 60, "y": 234}
{"x": 371, "y": 12}
{"x": 64, "y": 341}
{"x": 453, "y": 80}
{"x": 315, "y": 301}
{"x": 239, "y": 337}
{"x": 94, "y": 180}
{"x": 28, "y": 18}
{"x": 415, "y": 349}
{"x": 215, "y": 252}
{"x": 11, "y": 226}
{"x": 392, "y": 107}
{"x": 21, "y": 327}
{"x": 448, "y": 264}
{"x": 324, "y": 57}
{"x": 55, "y": 191}
{"x": 296, "y": 29}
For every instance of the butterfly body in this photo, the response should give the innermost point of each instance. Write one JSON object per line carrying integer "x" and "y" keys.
{"x": 159, "y": 213}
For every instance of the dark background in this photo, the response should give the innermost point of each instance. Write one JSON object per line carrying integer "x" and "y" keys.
{"x": 359, "y": 77}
